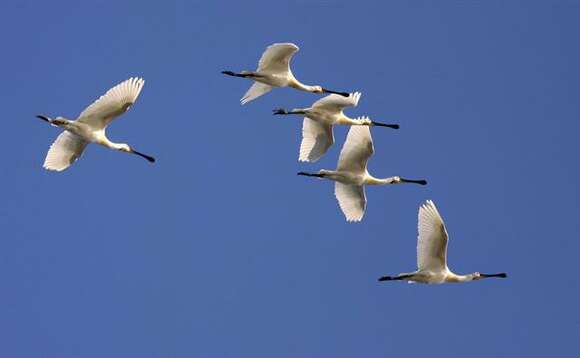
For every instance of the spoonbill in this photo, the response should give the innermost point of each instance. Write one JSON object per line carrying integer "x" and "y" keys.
{"x": 91, "y": 125}
{"x": 274, "y": 71}
{"x": 351, "y": 174}
{"x": 432, "y": 253}
{"x": 317, "y": 133}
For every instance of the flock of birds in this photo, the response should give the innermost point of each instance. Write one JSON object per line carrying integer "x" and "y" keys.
{"x": 351, "y": 174}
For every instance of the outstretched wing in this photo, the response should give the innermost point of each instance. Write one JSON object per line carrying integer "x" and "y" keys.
{"x": 352, "y": 200}
{"x": 337, "y": 103}
{"x": 357, "y": 150}
{"x": 115, "y": 102}
{"x": 432, "y": 241}
{"x": 317, "y": 137}
{"x": 67, "y": 148}
{"x": 255, "y": 91}
{"x": 277, "y": 57}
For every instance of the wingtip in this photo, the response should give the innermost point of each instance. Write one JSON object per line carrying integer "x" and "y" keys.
{"x": 52, "y": 169}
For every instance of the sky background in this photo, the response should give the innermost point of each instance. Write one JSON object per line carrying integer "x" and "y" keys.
{"x": 220, "y": 250}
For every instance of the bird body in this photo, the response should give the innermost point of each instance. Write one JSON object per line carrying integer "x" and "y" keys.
{"x": 91, "y": 125}
{"x": 351, "y": 174}
{"x": 319, "y": 120}
{"x": 432, "y": 253}
{"x": 274, "y": 71}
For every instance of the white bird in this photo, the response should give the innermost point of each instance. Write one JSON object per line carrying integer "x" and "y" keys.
{"x": 351, "y": 174}
{"x": 432, "y": 253}
{"x": 91, "y": 125}
{"x": 317, "y": 133}
{"x": 274, "y": 71}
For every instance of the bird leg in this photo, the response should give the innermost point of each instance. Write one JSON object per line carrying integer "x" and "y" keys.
{"x": 395, "y": 278}
{"x": 284, "y": 111}
{"x": 54, "y": 122}
{"x": 244, "y": 74}
{"x": 317, "y": 175}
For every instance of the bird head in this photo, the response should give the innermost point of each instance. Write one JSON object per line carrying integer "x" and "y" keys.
{"x": 59, "y": 122}
{"x": 317, "y": 89}
{"x": 476, "y": 276}
{"x": 397, "y": 180}
{"x": 124, "y": 148}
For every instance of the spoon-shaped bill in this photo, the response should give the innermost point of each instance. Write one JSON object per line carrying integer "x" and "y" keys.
{"x": 149, "y": 158}
{"x": 43, "y": 117}
{"x": 420, "y": 182}
{"x": 386, "y": 278}
{"x": 379, "y": 124}
{"x": 501, "y": 274}
{"x": 344, "y": 94}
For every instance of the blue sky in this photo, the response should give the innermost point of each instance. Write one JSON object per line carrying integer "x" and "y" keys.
{"x": 220, "y": 250}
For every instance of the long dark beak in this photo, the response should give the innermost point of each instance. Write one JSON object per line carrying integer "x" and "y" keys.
{"x": 229, "y": 73}
{"x": 280, "y": 111}
{"x": 501, "y": 274}
{"x": 344, "y": 94}
{"x": 420, "y": 182}
{"x": 386, "y": 278}
{"x": 43, "y": 117}
{"x": 149, "y": 158}
{"x": 310, "y": 174}
{"x": 379, "y": 124}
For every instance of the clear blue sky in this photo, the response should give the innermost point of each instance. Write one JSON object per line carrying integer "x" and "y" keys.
{"x": 220, "y": 250}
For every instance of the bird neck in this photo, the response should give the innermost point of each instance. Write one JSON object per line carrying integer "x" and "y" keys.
{"x": 371, "y": 180}
{"x": 345, "y": 120}
{"x": 294, "y": 83}
{"x": 103, "y": 140}
{"x": 451, "y": 277}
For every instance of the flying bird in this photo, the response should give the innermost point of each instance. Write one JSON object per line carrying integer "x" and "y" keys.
{"x": 317, "y": 133}
{"x": 274, "y": 71}
{"x": 432, "y": 253}
{"x": 351, "y": 174}
{"x": 90, "y": 126}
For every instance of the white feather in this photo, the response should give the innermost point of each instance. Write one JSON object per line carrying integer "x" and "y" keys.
{"x": 432, "y": 239}
{"x": 255, "y": 91}
{"x": 115, "y": 102}
{"x": 317, "y": 137}
{"x": 67, "y": 148}
{"x": 356, "y": 151}
{"x": 351, "y": 199}
{"x": 276, "y": 58}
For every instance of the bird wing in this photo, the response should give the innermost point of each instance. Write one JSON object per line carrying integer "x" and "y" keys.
{"x": 357, "y": 150}
{"x": 277, "y": 57}
{"x": 115, "y": 102}
{"x": 432, "y": 241}
{"x": 317, "y": 137}
{"x": 255, "y": 91}
{"x": 67, "y": 148}
{"x": 352, "y": 200}
{"x": 334, "y": 102}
